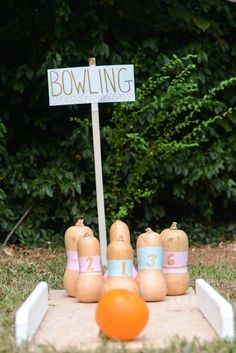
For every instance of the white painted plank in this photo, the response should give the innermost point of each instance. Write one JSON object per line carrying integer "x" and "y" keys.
{"x": 31, "y": 313}
{"x": 99, "y": 182}
{"x": 217, "y": 310}
{"x": 98, "y": 176}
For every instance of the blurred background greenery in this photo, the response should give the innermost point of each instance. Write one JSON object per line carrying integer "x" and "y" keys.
{"x": 170, "y": 155}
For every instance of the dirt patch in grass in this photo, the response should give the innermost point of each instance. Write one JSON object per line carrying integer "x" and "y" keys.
{"x": 21, "y": 254}
{"x": 207, "y": 255}
{"x": 197, "y": 255}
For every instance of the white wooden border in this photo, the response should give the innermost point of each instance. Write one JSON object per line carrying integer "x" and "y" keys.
{"x": 217, "y": 310}
{"x": 31, "y": 313}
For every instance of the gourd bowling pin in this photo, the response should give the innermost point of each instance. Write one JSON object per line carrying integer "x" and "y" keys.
{"x": 90, "y": 281}
{"x": 72, "y": 236}
{"x": 150, "y": 279}
{"x": 120, "y": 264}
{"x": 120, "y": 228}
{"x": 175, "y": 259}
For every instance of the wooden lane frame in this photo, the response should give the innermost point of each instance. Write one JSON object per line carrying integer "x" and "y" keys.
{"x": 30, "y": 314}
{"x": 216, "y": 309}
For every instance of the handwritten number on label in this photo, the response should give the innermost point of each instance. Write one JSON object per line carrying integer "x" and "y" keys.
{"x": 123, "y": 268}
{"x": 170, "y": 260}
{"x": 90, "y": 262}
{"x": 152, "y": 261}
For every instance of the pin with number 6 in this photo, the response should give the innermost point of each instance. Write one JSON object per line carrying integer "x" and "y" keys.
{"x": 175, "y": 260}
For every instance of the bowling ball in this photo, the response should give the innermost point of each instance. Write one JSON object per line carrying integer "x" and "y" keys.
{"x": 121, "y": 314}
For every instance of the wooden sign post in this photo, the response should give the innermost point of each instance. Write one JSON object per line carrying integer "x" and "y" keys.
{"x": 93, "y": 84}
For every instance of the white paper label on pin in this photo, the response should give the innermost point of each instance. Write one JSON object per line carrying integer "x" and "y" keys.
{"x": 91, "y": 84}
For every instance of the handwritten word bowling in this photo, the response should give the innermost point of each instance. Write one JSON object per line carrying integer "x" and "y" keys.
{"x": 91, "y": 84}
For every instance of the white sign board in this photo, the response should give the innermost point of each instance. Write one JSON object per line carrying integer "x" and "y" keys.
{"x": 91, "y": 84}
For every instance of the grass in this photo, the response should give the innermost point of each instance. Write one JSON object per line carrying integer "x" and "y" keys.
{"x": 21, "y": 270}
{"x": 221, "y": 276}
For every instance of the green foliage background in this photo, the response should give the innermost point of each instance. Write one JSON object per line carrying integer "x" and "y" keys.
{"x": 168, "y": 156}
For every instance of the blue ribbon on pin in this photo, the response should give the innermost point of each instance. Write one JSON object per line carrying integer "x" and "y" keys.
{"x": 120, "y": 267}
{"x": 150, "y": 258}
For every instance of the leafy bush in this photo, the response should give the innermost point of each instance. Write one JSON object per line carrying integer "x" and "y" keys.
{"x": 163, "y": 150}
{"x": 178, "y": 137}
{"x": 166, "y": 149}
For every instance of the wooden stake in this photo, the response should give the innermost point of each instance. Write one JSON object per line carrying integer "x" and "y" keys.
{"x": 16, "y": 226}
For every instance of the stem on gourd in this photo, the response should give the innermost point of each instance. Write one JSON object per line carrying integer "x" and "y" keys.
{"x": 174, "y": 225}
{"x": 80, "y": 222}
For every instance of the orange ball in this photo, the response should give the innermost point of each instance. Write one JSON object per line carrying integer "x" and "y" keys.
{"x": 121, "y": 314}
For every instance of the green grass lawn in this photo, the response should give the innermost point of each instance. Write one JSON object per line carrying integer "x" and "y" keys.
{"x": 21, "y": 270}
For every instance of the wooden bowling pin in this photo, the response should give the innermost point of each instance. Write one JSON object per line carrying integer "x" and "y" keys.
{"x": 150, "y": 279}
{"x": 120, "y": 228}
{"x": 120, "y": 264}
{"x": 90, "y": 280}
{"x": 175, "y": 259}
{"x": 72, "y": 236}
